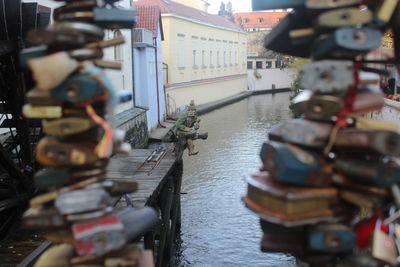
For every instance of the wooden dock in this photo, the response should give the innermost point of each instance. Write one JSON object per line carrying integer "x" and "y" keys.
{"x": 159, "y": 185}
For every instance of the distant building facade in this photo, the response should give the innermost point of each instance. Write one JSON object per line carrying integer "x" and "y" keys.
{"x": 259, "y": 21}
{"x": 204, "y": 55}
{"x": 266, "y": 68}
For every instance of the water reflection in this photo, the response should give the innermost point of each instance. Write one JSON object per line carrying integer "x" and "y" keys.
{"x": 217, "y": 230}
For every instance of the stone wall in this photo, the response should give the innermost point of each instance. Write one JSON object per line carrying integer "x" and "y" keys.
{"x": 280, "y": 78}
{"x": 134, "y": 122}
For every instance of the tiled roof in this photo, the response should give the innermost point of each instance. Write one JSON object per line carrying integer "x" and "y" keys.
{"x": 259, "y": 19}
{"x": 171, "y": 7}
{"x": 149, "y": 18}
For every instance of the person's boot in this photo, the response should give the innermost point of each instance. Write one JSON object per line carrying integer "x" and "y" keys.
{"x": 203, "y": 136}
{"x": 191, "y": 151}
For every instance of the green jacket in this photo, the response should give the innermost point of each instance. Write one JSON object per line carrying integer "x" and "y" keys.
{"x": 180, "y": 124}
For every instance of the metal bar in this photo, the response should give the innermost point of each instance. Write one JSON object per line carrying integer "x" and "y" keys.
{"x": 30, "y": 260}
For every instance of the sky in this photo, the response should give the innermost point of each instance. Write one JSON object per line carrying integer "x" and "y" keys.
{"x": 237, "y": 5}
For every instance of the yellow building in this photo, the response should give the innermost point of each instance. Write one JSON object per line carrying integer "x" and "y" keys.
{"x": 204, "y": 55}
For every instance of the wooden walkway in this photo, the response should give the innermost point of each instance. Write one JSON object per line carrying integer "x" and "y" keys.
{"x": 132, "y": 168}
{"x": 159, "y": 185}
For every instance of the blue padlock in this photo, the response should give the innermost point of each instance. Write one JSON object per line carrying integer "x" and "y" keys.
{"x": 373, "y": 173}
{"x": 332, "y": 238}
{"x": 290, "y": 164}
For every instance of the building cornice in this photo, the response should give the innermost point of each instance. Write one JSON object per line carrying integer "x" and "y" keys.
{"x": 205, "y": 81}
{"x": 202, "y": 23}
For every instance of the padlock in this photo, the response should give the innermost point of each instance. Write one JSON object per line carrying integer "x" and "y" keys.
{"x": 86, "y": 54}
{"x": 370, "y": 172}
{"x": 344, "y": 182}
{"x": 347, "y": 43}
{"x": 332, "y": 238}
{"x": 138, "y": 222}
{"x": 104, "y": 17}
{"x": 105, "y": 64}
{"x": 117, "y": 187}
{"x": 50, "y": 71}
{"x": 50, "y": 178}
{"x": 383, "y": 246}
{"x": 59, "y": 236}
{"x": 317, "y": 107}
{"x": 90, "y": 32}
{"x": 365, "y": 123}
{"x": 323, "y": 5}
{"x": 279, "y": 39}
{"x": 289, "y": 205}
{"x": 82, "y": 5}
{"x": 345, "y": 17}
{"x": 107, "y": 43}
{"x": 38, "y": 97}
{"x": 29, "y": 53}
{"x": 99, "y": 236}
{"x": 327, "y": 76}
{"x": 81, "y": 201}
{"x": 38, "y": 217}
{"x": 281, "y": 239}
{"x": 67, "y": 126}
{"x": 51, "y": 196}
{"x": 301, "y": 132}
{"x": 259, "y": 5}
{"x": 42, "y": 112}
{"x": 98, "y": 171}
{"x": 361, "y": 200}
{"x": 293, "y": 165}
{"x": 80, "y": 87}
{"x": 77, "y": 217}
{"x": 384, "y": 11}
{"x": 53, "y": 153}
{"x": 366, "y": 102}
{"x": 56, "y": 40}
{"x": 373, "y": 142}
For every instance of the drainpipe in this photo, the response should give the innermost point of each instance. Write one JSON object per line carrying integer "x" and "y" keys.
{"x": 158, "y": 89}
{"x": 165, "y": 94}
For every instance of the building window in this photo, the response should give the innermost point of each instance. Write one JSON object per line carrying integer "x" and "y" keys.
{"x": 249, "y": 65}
{"x": 211, "y": 58}
{"x": 218, "y": 62}
{"x": 194, "y": 58}
{"x": 230, "y": 58}
{"x": 260, "y": 20}
{"x": 224, "y": 58}
{"x": 268, "y": 64}
{"x": 181, "y": 53}
{"x": 203, "y": 63}
{"x": 246, "y": 20}
{"x": 118, "y": 49}
{"x": 236, "y": 59}
{"x": 258, "y": 64}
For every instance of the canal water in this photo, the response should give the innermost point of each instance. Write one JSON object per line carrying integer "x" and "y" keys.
{"x": 217, "y": 229}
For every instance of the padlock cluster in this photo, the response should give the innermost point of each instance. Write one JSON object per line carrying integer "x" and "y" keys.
{"x": 73, "y": 97}
{"x": 328, "y": 190}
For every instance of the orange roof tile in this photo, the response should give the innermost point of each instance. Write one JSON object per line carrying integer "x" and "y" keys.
{"x": 171, "y": 7}
{"x": 259, "y": 19}
{"x": 149, "y": 18}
